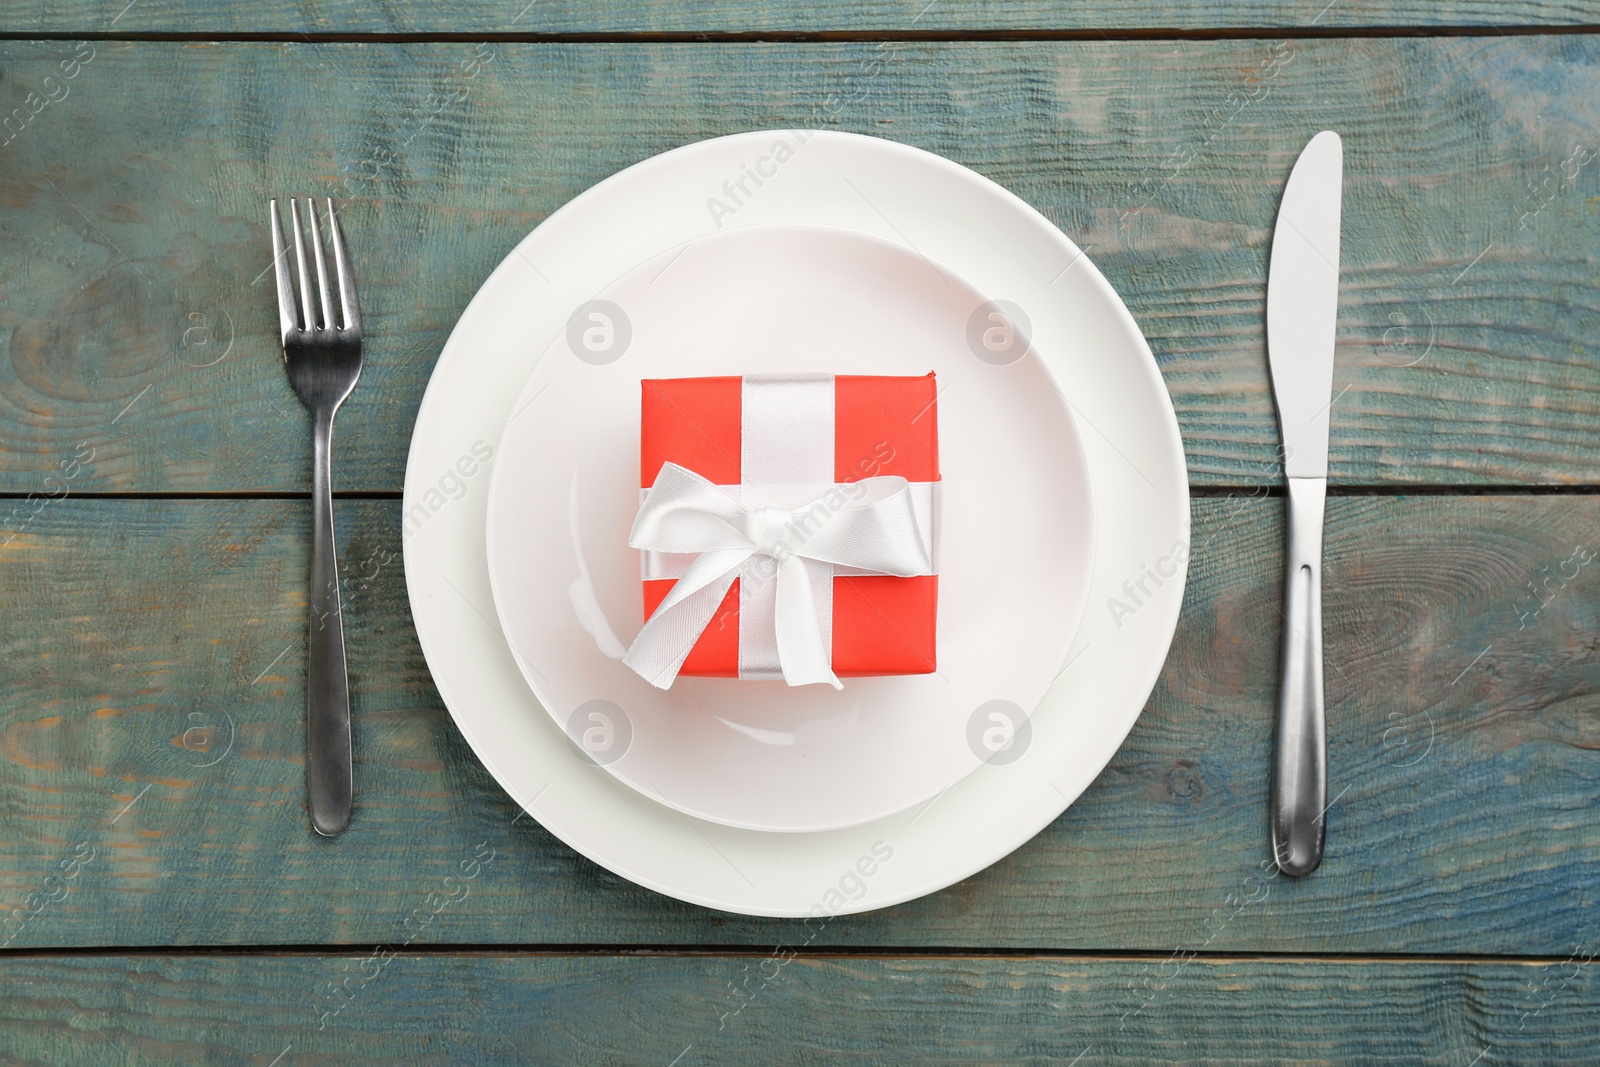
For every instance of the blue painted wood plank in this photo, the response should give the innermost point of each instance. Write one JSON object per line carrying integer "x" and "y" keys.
{"x": 719, "y": 16}
{"x": 136, "y": 322}
{"x": 1464, "y": 755}
{"x": 687, "y": 1011}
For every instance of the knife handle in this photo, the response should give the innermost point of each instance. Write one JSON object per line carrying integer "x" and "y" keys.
{"x": 1300, "y": 772}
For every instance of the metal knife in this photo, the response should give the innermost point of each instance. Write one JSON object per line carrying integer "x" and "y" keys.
{"x": 1302, "y": 310}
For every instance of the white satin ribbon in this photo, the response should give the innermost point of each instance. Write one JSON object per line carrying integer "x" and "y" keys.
{"x": 870, "y": 525}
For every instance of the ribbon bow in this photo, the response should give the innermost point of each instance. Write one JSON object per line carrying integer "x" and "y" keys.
{"x": 869, "y": 525}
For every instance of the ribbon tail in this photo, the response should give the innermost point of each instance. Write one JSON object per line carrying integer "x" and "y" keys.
{"x": 802, "y": 653}
{"x": 657, "y": 654}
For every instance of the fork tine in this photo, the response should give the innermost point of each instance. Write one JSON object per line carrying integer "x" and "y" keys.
{"x": 322, "y": 265}
{"x": 288, "y": 319}
{"x": 347, "y": 280}
{"x": 307, "y": 317}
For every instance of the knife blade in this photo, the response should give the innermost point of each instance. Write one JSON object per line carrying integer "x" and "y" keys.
{"x": 1302, "y": 312}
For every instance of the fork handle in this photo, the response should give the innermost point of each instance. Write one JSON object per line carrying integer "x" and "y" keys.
{"x": 329, "y": 775}
{"x": 1300, "y": 773}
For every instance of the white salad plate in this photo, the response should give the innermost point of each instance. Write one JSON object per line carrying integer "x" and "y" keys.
{"x": 1014, "y": 538}
{"x": 1098, "y": 363}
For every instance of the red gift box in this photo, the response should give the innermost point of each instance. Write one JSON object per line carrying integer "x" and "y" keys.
{"x": 881, "y": 426}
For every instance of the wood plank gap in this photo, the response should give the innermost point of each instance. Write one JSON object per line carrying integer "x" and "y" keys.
{"x": 1197, "y": 492}
{"x": 244, "y": 494}
{"x": 754, "y": 951}
{"x": 1336, "y": 489}
{"x": 1242, "y": 33}
{"x": 1208, "y": 492}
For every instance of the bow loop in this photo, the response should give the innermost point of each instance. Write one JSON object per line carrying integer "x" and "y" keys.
{"x": 874, "y": 529}
{"x": 686, "y": 513}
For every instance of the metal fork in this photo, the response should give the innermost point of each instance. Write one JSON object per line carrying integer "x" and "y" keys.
{"x": 324, "y": 361}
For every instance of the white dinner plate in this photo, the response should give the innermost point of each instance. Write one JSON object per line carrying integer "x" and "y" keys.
{"x": 1014, "y": 529}
{"x": 1003, "y": 248}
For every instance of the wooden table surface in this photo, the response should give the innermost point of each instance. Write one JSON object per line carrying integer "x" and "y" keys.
{"x": 166, "y": 900}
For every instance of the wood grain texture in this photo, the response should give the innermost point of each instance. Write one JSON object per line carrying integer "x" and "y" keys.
{"x": 1464, "y": 734}
{"x": 497, "y": 1009}
{"x": 718, "y": 16}
{"x": 132, "y": 212}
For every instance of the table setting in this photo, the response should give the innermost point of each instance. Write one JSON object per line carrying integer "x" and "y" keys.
{"x": 799, "y": 577}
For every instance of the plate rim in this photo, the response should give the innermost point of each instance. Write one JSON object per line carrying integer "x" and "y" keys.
{"x": 1080, "y": 580}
